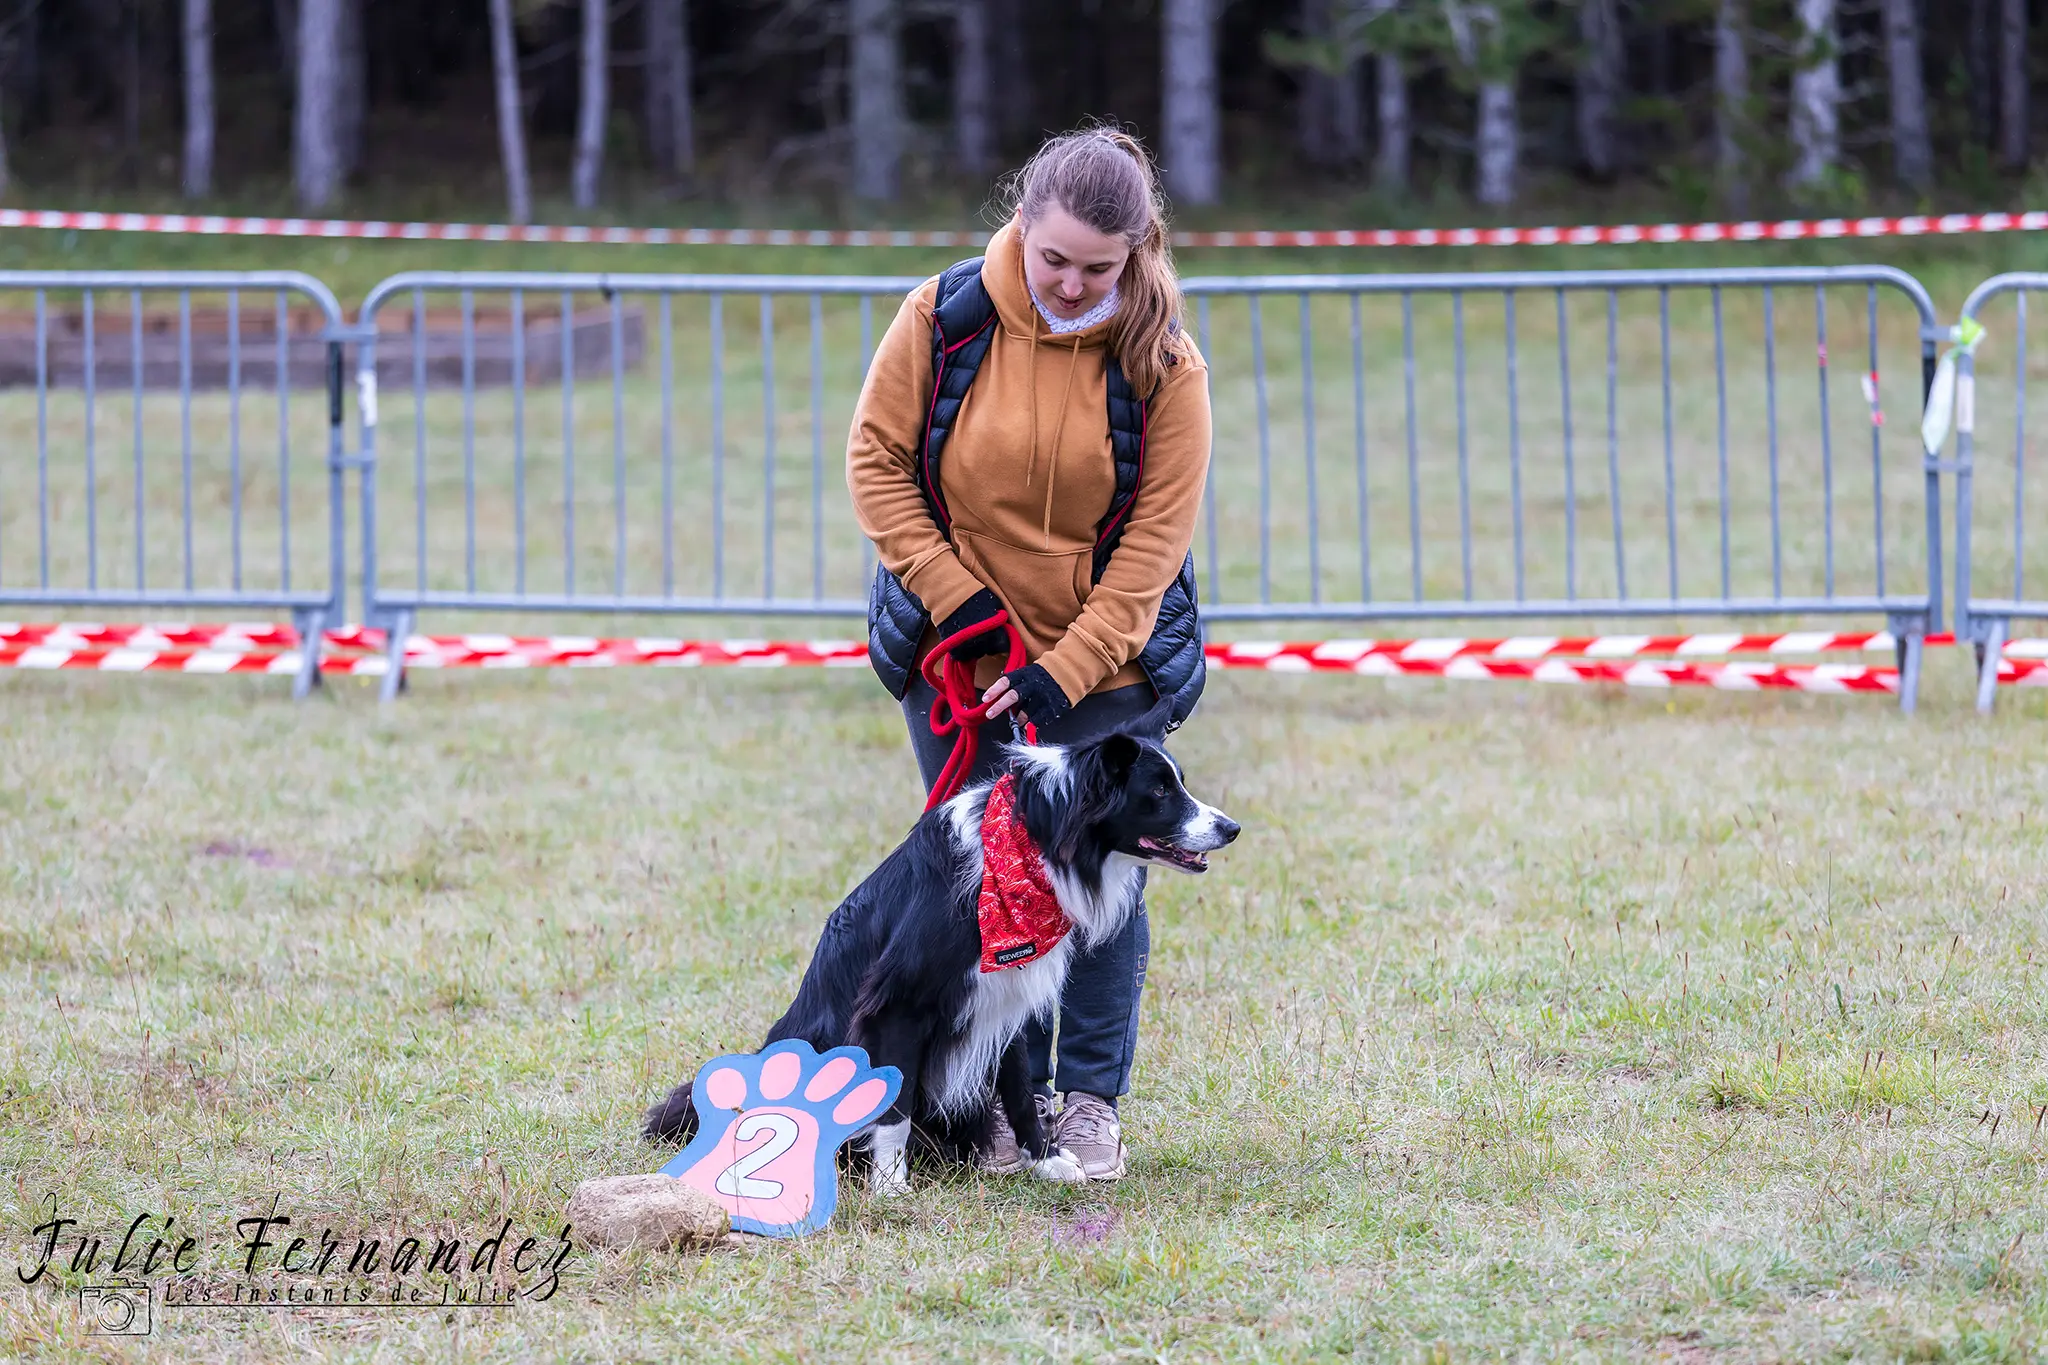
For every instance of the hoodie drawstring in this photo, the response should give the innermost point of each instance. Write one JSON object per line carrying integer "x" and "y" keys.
{"x": 1052, "y": 460}
{"x": 1031, "y": 455}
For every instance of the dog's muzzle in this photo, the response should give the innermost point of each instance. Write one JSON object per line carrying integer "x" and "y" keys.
{"x": 1190, "y": 848}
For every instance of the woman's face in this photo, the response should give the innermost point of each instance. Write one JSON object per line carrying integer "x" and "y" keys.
{"x": 1069, "y": 265}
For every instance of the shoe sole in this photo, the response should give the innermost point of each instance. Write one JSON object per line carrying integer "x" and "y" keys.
{"x": 1116, "y": 1173}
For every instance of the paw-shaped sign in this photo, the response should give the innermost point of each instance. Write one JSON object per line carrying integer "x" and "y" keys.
{"x": 769, "y": 1127}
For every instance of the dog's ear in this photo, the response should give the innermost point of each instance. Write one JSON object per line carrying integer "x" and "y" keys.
{"x": 1099, "y": 772}
{"x": 1155, "y": 723}
{"x": 1119, "y": 754}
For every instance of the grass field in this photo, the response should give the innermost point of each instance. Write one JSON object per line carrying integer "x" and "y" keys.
{"x": 1522, "y": 1022}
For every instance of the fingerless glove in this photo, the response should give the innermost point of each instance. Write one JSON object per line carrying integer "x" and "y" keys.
{"x": 979, "y": 607}
{"x": 1042, "y": 700}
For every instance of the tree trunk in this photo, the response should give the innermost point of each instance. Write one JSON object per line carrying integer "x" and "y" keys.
{"x": 1347, "y": 115}
{"x": 665, "y": 84}
{"x": 1015, "y": 105}
{"x": 593, "y": 108}
{"x": 1499, "y": 143}
{"x": 1912, "y": 149}
{"x": 198, "y": 98}
{"x": 1983, "y": 72}
{"x": 875, "y": 99}
{"x": 1731, "y": 103}
{"x": 316, "y": 150}
{"x": 973, "y": 114}
{"x": 284, "y": 19}
{"x": 1816, "y": 95}
{"x": 1315, "y": 91}
{"x": 1330, "y": 112}
{"x": 1600, "y": 85}
{"x": 1658, "y": 39}
{"x": 1191, "y": 120}
{"x": 654, "y": 93}
{"x": 131, "y": 95}
{"x": 353, "y": 97}
{"x": 511, "y": 113}
{"x": 2012, "y": 85}
{"x": 1497, "y": 140}
{"x": 1396, "y": 128}
{"x": 682, "y": 104}
{"x": 30, "y": 71}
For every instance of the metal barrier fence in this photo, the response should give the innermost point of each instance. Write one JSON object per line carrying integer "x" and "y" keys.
{"x": 691, "y": 439}
{"x": 1387, "y": 447}
{"x": 152, "y": 482}
{"x": 1536, "y": 445}
{"x": 1996, "y": 490}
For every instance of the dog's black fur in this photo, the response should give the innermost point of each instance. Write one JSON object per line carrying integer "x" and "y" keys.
{"x": 896, "y": 968}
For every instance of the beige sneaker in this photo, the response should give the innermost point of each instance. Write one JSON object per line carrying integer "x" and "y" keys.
{"x": 1089, "y": 1130}
{"x": 1003, "y": 1156}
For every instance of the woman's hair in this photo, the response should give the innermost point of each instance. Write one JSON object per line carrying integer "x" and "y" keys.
{"x": 1105, "y": 178}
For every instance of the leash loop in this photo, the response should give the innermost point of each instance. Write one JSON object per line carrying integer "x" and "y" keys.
{"x": 958, "y": 710}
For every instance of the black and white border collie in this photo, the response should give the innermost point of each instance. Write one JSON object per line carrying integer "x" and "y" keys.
{"x": 897, "y": 969}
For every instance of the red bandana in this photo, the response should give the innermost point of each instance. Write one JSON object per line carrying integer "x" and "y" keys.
{"x": 1020, "y": 917}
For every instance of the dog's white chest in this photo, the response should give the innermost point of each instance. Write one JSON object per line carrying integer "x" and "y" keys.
{"x": 1012, "y": 996}
{"x": 998, "y": 1006}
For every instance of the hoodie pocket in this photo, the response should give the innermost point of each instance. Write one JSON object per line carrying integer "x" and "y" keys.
{"x": 1044, "y": 590}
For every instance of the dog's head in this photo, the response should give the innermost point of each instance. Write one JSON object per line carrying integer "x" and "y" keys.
{"x": 1122, "y": 794}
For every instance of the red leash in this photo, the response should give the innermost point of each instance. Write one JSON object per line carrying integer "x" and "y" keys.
{"x": 958, "y": 709}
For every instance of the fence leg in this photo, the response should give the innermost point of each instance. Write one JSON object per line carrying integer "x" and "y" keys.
{"x": 311, "y": 624}
{"x": 1911, "y": 638}
{"x": 1987, "y": 669}
{"x": 398, "y": 629}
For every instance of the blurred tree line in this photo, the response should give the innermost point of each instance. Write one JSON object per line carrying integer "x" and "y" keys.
{"x": 1721, "y": 104}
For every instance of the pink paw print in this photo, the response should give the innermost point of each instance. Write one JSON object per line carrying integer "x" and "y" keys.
{"x": 769, "y": 1127}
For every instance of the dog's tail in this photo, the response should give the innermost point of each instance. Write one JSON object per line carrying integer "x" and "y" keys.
{"x": 674, "y": 1119}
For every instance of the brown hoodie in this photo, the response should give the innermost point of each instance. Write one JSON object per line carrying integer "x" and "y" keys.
{"x": 1027, "y": 475}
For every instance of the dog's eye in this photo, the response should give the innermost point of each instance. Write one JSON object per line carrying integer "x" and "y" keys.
{"x": 1159, "y": 791}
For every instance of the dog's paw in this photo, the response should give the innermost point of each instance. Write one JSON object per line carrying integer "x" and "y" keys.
{"x": 888, "y": 1184}
{"x": 770, "y": 1125}
{"x": 1061, "y": 1168}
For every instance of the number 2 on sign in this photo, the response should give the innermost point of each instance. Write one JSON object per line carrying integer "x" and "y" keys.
{"x": 738, "y": 1179}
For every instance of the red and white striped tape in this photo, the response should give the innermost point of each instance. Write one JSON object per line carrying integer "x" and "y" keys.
{"x": 1733, "y": 676}
{"x": 1605, "y": 234}
{"x": 1639, "y": 673}
{"x": 265, "y": 648}
{"x": 1630, "y": 234}
{"x": 1341, "y": 654}
{"x": 237, "y": 637}
{"x": 505, "y": 651}
{"x": 170, "y": 659}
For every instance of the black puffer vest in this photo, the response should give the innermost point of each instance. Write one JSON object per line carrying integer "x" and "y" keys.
{"x": 963, "y": 326}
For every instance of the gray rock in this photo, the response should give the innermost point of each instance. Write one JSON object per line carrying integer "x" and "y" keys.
{"x": 645, "y": 1210}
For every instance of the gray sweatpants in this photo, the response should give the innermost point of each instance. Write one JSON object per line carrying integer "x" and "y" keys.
{"x": 1098, "y": 1024}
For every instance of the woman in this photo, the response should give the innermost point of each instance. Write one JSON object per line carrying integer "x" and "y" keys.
{"x": 1033, "y": 436}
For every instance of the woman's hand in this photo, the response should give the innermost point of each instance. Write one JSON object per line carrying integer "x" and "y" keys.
{"x": 1000, "y": 697}
{"x": 1029, "y": 691}
{"x": 983, "y": 606}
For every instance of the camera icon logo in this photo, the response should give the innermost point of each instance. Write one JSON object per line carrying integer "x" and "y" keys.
{"x": 119, "y": 1308}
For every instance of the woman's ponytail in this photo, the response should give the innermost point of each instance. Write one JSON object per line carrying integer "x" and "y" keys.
{"x": 1105, "y": 178}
